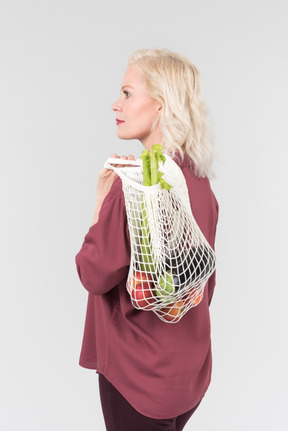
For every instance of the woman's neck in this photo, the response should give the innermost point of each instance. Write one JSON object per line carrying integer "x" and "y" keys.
{"x": 152, "y": 139}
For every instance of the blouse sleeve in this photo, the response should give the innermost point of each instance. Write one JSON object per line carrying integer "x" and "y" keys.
{"x": 104, "y": 258}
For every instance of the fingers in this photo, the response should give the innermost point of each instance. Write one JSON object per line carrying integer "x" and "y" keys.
{"x": 115, "y": 156}
{"x": 123, "y": 158}
{"x": 130, "y": 157}
{"x": 106, "y": 170}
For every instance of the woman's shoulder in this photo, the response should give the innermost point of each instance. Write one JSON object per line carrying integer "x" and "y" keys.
{"x": 187, "y": 166}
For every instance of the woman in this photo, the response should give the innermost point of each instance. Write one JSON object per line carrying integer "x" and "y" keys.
{"x": 152, "y": 375}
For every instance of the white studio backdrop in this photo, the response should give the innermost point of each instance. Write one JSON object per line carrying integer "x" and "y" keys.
{"x": 62, "y": 64}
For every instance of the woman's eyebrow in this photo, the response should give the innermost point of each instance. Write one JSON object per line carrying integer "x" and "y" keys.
{"x": 126, "y": 86}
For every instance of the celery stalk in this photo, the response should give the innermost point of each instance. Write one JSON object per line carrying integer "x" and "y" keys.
{"x": 146, "y": 258}
{"x": 153, "y": 168}
{"x": 151, "y": 176}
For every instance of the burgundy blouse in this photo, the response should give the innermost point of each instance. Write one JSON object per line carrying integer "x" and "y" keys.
{"x": 162, "y": 369}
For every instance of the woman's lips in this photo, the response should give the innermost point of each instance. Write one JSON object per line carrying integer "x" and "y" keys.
{"x": 119, "y": 121}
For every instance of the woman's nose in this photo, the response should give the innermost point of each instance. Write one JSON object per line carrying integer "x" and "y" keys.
{"x": 116, "y": 106}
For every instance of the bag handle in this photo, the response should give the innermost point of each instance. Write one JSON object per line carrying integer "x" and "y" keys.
{"x": 115, "y": 161}
{"x": 135, "y": 164}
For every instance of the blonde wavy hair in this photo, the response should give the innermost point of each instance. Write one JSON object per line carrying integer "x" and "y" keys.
{"x": 174, "y": 82}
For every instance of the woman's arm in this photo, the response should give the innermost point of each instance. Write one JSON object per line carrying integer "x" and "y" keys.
{"x": 104, "y": 258}
{"x": 105, "y": 180}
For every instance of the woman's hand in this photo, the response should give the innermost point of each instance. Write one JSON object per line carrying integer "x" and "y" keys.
{"x": 105, "y": 180}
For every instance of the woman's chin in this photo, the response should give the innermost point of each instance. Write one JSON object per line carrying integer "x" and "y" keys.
{"x": 124, "y": 135}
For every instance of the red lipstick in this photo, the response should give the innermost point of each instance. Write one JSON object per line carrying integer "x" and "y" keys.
{"x": 119, "y": 121}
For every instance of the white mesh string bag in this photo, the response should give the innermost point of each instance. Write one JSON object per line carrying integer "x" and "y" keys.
{"x": 171, "y": 260}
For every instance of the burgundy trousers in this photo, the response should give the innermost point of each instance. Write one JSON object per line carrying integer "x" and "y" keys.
{"x": 119, "y": 415}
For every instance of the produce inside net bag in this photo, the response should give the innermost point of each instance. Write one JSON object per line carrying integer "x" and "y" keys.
{"x": 171, "y": 259}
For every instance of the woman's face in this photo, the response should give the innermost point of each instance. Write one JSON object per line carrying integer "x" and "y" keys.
{"x": 136, "y": 111}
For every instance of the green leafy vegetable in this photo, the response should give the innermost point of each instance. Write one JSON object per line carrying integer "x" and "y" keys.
{"x": 152, "y": 176}
{"x": 151, "y": 173}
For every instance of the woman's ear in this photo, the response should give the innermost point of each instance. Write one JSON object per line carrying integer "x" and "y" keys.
{"x": 158, "y": 107}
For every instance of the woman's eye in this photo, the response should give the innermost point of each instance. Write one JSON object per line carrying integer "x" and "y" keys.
{"x": 126, "y": 93}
